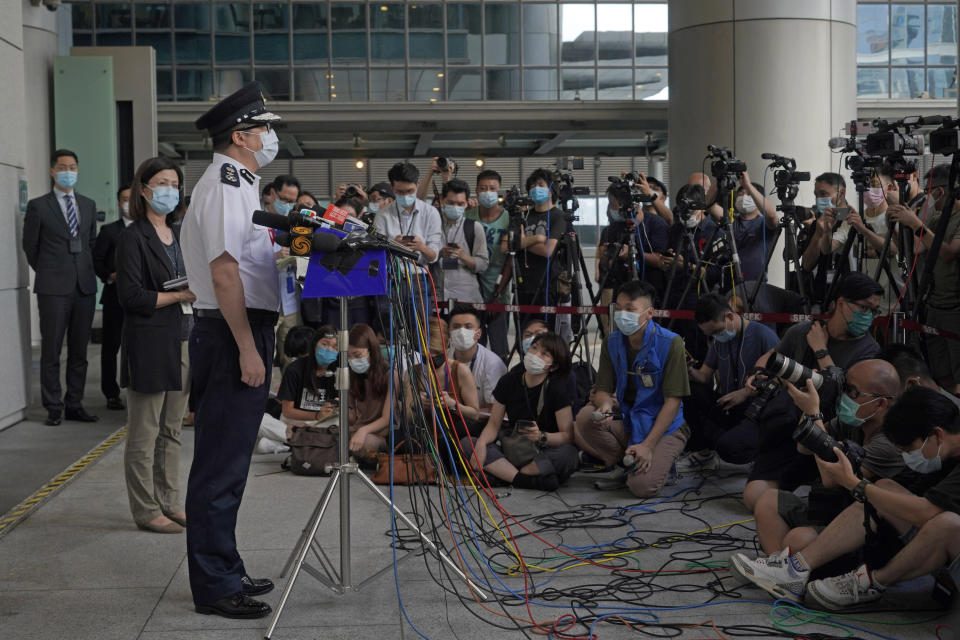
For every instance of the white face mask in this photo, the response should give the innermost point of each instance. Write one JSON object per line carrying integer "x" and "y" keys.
{"x": 535, "y": 364}
{"x": 692, "y": 221}
{"x": 125, "y": 209}
{"x": 916, "y": 460}
{"x": 270, "y": 146}
{"x": 745, "y": 204}
{"x": 463, "y": 339}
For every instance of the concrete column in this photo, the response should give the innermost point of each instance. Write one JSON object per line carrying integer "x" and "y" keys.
{"x": 655, "y": 169}
{"x": 758, "y": 76}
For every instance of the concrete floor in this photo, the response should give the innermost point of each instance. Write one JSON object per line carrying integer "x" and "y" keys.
{"x": 78, "y": 568}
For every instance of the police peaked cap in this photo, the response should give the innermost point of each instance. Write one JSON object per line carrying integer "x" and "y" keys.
{"x": 244, "y": 106}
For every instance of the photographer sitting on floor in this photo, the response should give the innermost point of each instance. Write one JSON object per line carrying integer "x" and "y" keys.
{"x": 841, "y": 342}
{"x": 913, "y": 371}
{"x": 786, "y": 520}
{"x": 643, "y": 367}
{"x": 914, "y": 531}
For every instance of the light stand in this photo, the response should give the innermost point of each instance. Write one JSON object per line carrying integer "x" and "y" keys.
{"x": 342, "y": 582}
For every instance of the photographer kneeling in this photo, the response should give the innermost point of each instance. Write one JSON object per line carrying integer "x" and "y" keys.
{"x": 644, "y": 366}
{"x": 914, "y": 531}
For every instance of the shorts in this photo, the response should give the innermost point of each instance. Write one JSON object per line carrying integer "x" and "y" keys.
{"x": 784, "y": 465}
{"x": 816, "y": 510}
{"x": 942, "y": 367}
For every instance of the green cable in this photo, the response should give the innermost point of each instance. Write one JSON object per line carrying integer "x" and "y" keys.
{"x": 782, "y": 623}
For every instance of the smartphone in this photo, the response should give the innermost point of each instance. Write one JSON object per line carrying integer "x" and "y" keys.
{"x": 408, "y": 238}
{"x": 453, "y": 245}
{"x": 523, "y": 425}
{"x": 841, "y": 213}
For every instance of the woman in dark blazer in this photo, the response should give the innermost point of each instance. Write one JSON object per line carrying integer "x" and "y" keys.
{"x": 154, "y": 364}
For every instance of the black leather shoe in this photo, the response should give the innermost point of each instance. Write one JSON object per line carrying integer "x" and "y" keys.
{"x": 256, "y": 586}
{"x": 115, "y": 404}
{"x": 53, "y": 418}
{"x": 79, "y": 415}
{"x": 236, "y": 606}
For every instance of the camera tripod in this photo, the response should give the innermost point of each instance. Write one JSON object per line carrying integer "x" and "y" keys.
{"x": 687, "y": 239}
{"x": 342, "y": 582}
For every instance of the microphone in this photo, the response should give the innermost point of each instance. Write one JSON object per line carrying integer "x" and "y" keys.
{"x": 769, "y": 156}
{"x": 630, "y": 463}
{"x": 360, "y": 239}
{"x": 304, "y": 245}
{"x": 838, "y": 143}
{"x": 934, "y": 120}
{"x": 284, "y": 223}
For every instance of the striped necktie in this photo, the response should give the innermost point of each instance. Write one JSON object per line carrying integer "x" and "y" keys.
{"x": 72, "y": 217}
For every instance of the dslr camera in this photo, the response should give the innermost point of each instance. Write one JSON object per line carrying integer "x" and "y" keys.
{"x": 445, "y": 164}
{"x": 778, "y": 366}
{"x": 821, "y": 443}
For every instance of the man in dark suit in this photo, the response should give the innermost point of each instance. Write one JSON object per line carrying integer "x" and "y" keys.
{"x": 59, "y": 231}
{"x": 104, "y": 263}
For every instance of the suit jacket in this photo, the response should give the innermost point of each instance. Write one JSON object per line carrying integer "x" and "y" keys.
{"x": 105, "y": 261}
{"x": 150, "y": 347}
{"x": 47, "y": 240}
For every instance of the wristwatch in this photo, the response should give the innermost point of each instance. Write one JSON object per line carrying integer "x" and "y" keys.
{"x": 859, "y": 492}
{"x": 821, "y": 354}
{"x": 920, "y": 231}
{"x": 542, "y": 440}
{"x": 812, "y": 417}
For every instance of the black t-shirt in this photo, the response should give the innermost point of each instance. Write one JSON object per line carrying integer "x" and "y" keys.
{"x": 701, "y": 235}
{"x": 532, "y": 266}
{"x": 521, "y": 402}
{"x": 942, "y": 488}
{"x": 651, "y": 237}
{"x": 296, "y": 386}
{"x": 752, "y": 236}
{"x": 845, "y": 353}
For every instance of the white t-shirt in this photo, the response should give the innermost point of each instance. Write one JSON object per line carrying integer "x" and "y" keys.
{"x": 219, "y": 221}
{"x": 487, "y": 369}
{"x": 423, "y": 222}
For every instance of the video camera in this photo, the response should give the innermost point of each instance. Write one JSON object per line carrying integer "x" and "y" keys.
{"x": 626, "y": 190}
{"x": 566, "y": 195}
{"x": 724, "y": 164}
{"x": 889, "y": 140}
{"x": 514, "y": 201}
{"x": 944, "y": 141}
{"x": 778, "y": 366}
{"x": 689, "y": 199}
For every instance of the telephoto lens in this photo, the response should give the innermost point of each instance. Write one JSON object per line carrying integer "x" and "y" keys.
{"x": 789, "y": 369}
{"x": 821, "y": 444}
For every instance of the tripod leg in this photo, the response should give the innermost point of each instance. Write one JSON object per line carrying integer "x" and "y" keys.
{"x": 304, "y": 547}
{"x": 413, "y": 527}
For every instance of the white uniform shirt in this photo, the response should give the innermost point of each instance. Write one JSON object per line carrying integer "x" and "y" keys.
{"x": 423, "y": 222}
{"x": 459, "y": 281}
{"x": 219, "y": 221}
{"x": 487, "y": 369}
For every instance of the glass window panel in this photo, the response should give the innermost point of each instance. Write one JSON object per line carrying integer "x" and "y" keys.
{"x": 386, "y": 33}
{"x": 82, "y": 39}
{"x": 617, "y": 84}
{"x": 164, "y": 84}
{"x": 540, "y": 84}
{"x": 192, "y": 16}
{"x": 311, "y": 85}
{"x": 113, "y": 15}
{"x": 502, "y": 33}
{"x": 942, "y": 82}
{"x": 114, "y": 39}
{"x": 503, "y": 84}
{"x": 540, "y": 34}
{"x": 233, "y": 32}
{"x": 426, "y": 32}
{"x": 192, "y": 48}
{"x": 463, "y": 34}
{"x": 348, "y": 85}
{"x": 906, "y": 33}
{"x": 906, "y": 83}
{"x": 152, "y": 15}
{"x": 872, "y": 83}
{"x": 614, "y": 35}
{"x": 388, "y": 85}
{"x": 650, "y": 29}
{"x": 464, "y": 84}
{"x": 82, "y": 15}
{"x": 271, "y": 40}
{"x": 578, "y": 84}
{"x": 160, "y": 43}
{"x": 194, "y": 84}
{"x": 578, "y": 31}
{"x": 873, "y": 46}
{"x": 427, "y": 85}
{"x": 942, "y": 34}
{"x": 227, "y": 81}
{"x": 310, "y": 32}
{"x": 650, "y": 84}
{"x": 276, "y": 83}
{"x": 349, "y": 23}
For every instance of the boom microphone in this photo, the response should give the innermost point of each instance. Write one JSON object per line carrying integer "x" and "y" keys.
{"x": 838, "y": 143}
{"x": 284, "y": 223}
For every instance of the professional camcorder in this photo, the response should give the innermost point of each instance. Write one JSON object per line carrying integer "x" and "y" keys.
{"x": 724, "y": 163}
{"x": 626, "y": 190}
{"x": 515, "y": 202}
{"x": 689, "y": 199}
{"x": 894, "y": 138}
{"x": 566, "y": 196}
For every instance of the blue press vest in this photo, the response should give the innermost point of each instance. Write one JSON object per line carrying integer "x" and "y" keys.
{"x": 638, "y": 420}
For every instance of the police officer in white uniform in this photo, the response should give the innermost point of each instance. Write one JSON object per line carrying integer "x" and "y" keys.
{"x": 230, "y": 266}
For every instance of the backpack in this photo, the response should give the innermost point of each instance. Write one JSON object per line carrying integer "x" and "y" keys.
{"x": 579, "y": 382}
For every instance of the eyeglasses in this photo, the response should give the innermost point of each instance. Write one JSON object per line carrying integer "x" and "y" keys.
{"x": 874, "y": 311}
{"x": 855, "y": 393}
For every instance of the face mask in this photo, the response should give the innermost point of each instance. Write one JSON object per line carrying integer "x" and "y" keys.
{"x": 627, "y": 321}
{"x": 269, "y": 147}
{"x": 373, "y": 207}
{"x": 745, "y": 204}
{"x": 614, "y": 214}
{"x": 691, "y": 222}
{"x": 125, "y": 208}
{"x": 920, "y": 464}
{"x": 525, "y": 345}
{"x": 66, "y": 179}
{"x": 488, "y": 199}
{"x": 539, "y": 195}
{"x": 859, "y": 323}
{"x": 847, "y": 409}
{"x": 462, "y": 339}
{"x": 824, "y": 203}
{"x": 281, "y": 207}
{"x": 407, "y": 200}
{"x": 534, "y": 364}
{"x": 165, "y": 200}
{"x": 453, "y": 212}
{"x": 324, "y": 356}
{"x": 666, "y": 201}
{"x": 873, "y": 197}
{"x": 387, "y": 353}
{"x": 725, "y": 336}
{"x": 359, "y": 365}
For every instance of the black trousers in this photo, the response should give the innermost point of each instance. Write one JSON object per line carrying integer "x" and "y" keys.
{"x": 69, "y": 317}
{"x": 112, "y": 331}
{"x": 729, "y": 433}
{"x": 227, "y": 418}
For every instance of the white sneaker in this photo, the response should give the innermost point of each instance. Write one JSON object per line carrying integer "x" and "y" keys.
{"x": 266, "y": 445}
{"x": 847, "y": 590}
{"x": 743, "y": 560}
{"x": 778, "y": 574}
{"x": 695, "y": 462}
